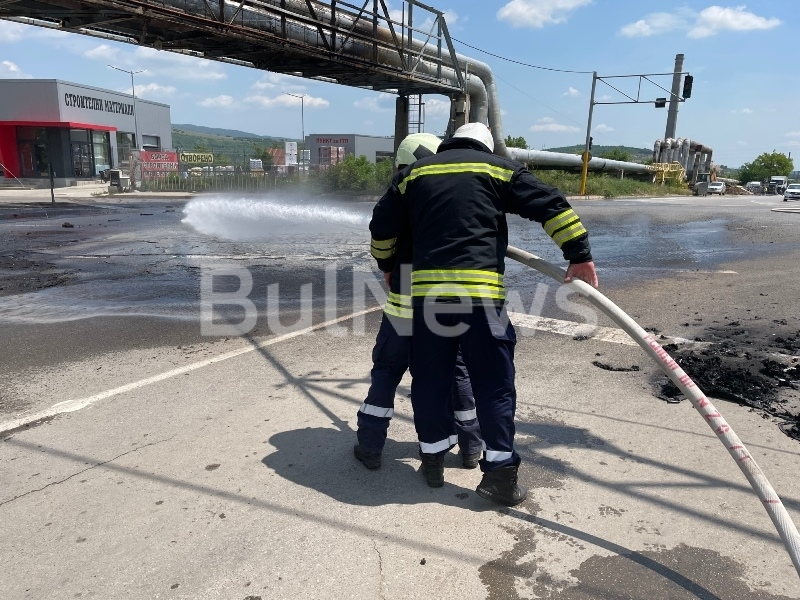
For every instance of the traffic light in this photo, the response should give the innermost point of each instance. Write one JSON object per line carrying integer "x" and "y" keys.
{"x": 661, "y": 102}
{"x": 687, "y": 86}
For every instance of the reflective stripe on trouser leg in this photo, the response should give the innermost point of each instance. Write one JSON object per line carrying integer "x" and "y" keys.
{"x": 469, "y": 430}
{"x": 433, "y": 362}
{"x": 488, "y": 350}
{"x": 389, "y": 364}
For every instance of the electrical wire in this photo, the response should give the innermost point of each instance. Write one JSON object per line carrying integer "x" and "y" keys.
{"x": 516, "y": 62}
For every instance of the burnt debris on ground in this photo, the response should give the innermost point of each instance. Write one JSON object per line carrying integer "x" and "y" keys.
{"x": 755, "y": 364}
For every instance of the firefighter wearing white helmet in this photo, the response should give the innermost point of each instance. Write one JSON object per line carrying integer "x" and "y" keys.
{"x": 390, "y": 356}
{"x": 454, "y": 206}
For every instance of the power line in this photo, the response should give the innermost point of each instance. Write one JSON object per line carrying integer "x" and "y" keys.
{"x": 516, "y": 62}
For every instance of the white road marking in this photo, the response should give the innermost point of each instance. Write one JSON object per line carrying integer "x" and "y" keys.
{"x": 571, "y": 328}
{"x": 557, "y": 326}
{"x": 78, "y": 404}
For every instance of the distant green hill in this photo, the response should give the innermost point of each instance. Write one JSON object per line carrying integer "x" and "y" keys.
{"x": 219, "y": 132}
{"x": 238, "y": 148}
{"x": 637, "y": 154}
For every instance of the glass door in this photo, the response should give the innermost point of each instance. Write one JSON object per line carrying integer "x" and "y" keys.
{"x": 81, "y": 159}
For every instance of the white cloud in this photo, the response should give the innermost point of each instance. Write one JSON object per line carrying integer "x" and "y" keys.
{"x": 742, "y": 111}
{"x": 153, "y": 90}
{"x": 538, "y": 13}
{"x": 11, "y": 32}
{"x": 284, "y": 100}
{"x": 706, "y": 23}
{"x": 792, "y": 134}
{"x": 603, "y": 128}
{"x": 714, "y": 19}
{"x": 436, "y": 107}
{"x": 102, "y": 52}
{"x": 572, "y": 92}
{"x": 271, "y": 81}
{"x": 8, "y": 70}
{"x": 653, "y": 24}
{"x": 550, "y": 125}
{"x": 177, "y": 66}
{"x": 222, "y": 101}
{"x": 376, "y": 103}
{"x": 605, "y": 98}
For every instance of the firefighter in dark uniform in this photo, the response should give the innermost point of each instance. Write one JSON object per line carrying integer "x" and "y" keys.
{"x": 390, "y": 356}
{"x": 453, "y": 207}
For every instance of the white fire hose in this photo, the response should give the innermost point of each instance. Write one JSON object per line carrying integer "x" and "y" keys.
{"x": 772, "y": 503}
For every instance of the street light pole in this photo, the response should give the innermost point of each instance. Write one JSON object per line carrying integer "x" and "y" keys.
{"x": 137, "y": 141}
{"x": 302, "y": 122}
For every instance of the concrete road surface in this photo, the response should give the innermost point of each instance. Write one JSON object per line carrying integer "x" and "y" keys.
{"x": 142, "y": 459}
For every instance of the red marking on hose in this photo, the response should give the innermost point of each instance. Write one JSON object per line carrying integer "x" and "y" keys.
{"x": 702, "y": 402}
{"x": 715, "y": 415}
{"x": 739, "y": 447}
{"x": 722, "y": 429}
{"x": 771, "y": 501}
{"x": 687, "y": 381}
{"x": 744, "y": 458}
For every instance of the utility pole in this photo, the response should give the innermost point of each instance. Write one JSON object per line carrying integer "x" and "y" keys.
{"x": 674, "y": 99}
{"x": 587, "y": 155}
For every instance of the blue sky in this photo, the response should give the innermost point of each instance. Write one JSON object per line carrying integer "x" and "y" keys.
{"x": 743, "y": 58}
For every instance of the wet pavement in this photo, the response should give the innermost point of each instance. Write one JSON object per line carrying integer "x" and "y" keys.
{"x": 617, "y": 496}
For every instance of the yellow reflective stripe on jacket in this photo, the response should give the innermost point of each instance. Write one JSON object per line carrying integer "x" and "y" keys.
{"x": 397, "y": 311}
{"x": 474, "y": 283}
{"x": 560, "y": 220}
{"x": 399, "y": 299}
{"x": 454, "y": 168}
{"x": 382, "y": 249}
{"x": 570, "y": 233}
{"x": 398, "y": 305}
{"x": 475, "y": 275}
{"x": 457, "y": 290}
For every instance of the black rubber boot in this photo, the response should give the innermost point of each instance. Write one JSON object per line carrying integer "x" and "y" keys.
{"x": 371, "y": 460}
{"x": 470, "y": 461}
{"x": 433, "y": 469}
{"x": 501, "y": 486}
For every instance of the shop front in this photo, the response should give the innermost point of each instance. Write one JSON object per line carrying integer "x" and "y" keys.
{"x": 73, "y": 132}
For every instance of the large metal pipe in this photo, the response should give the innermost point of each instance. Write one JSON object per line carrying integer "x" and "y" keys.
{"x": 657, "y": 151}
{"x": 481, "y": 85}
{"x": 558, "y": 159}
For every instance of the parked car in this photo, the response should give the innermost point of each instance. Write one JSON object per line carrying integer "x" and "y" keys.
{"x": 755, "y": 187}
{"x": 716, "y": 187}
{"x": 792, "y": 192}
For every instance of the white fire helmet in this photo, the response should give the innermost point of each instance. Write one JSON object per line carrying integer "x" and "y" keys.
{"x": 478, "y": 132}
{"x": 416, "y": 146}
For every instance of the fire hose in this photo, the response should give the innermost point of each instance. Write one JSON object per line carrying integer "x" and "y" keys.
{"x": 772, "y": 503}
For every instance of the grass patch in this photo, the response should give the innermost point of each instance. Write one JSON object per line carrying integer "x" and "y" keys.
{"x": 608, "y": 186}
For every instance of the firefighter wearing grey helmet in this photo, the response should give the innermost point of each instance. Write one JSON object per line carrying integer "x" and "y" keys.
{"x": 414, "y": 147}
{"x": 390, "y": 355}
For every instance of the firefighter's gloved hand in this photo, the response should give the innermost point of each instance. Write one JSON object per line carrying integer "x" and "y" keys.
{"x": 387, "y": 277}
{"x": 583, "y": 271}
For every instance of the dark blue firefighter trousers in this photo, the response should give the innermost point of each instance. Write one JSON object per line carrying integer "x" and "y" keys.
{"x": 390, "y": 359}
{"x": 486, "y": 340}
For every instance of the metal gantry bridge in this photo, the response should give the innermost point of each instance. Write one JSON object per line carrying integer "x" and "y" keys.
{"x": 334, "y": 41}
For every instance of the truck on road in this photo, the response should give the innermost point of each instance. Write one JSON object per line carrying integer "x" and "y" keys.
{"x": 777, "y": 184}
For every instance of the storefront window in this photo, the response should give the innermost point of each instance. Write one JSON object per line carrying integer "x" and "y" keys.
{"x": 124, "y": 146}
{"x": 102, "y": 151}
{"x": 81, "y": 151}
{"x": 33, "y": 157}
